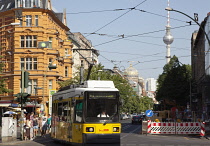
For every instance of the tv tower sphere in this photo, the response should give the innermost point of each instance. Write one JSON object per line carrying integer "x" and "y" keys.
{"x": 168, "y": 38}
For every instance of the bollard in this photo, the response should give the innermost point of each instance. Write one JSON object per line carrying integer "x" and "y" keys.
{"x": 149, "y": 126}
{"x": 202, "y": 133}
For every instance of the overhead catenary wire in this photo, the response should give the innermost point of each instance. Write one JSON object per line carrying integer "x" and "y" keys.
{"x": 138, "y": 35}
{"x": 118, "y": 17}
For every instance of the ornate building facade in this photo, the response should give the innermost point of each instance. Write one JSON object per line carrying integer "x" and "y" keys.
{"x": 21, "y": 49}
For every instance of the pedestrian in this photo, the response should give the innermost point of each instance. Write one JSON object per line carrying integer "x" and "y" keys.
{"x": 40, "y": 124}
{"x": 27, "y": 127}
{"x": 35, "y": 126}
{"x": 49, "y": 123}
{"x": 44, "y": 125}
{"x": 24, "y": 127}
{"x": 32, "y": 126}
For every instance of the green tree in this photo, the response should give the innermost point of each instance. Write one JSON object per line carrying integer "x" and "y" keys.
{"x": 129, "y": 98}
{"x": 145, "y": 103}
{"x": 174, "y": 82}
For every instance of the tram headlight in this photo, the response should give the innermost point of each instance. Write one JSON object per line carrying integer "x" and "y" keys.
{"x": 116, "y": 129}
{"x": 89, "y": 129}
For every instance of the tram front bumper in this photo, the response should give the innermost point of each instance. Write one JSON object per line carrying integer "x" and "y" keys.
{"x": 101, "y": 138}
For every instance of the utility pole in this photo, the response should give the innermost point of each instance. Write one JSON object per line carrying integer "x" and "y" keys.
{"x": 22, "y": 112}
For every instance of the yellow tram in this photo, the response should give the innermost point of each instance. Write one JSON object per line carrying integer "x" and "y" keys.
{"x": 76, "y": 113}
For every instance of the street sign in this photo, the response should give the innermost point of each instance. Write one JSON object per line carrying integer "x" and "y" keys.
{"x": 149, "y": 113}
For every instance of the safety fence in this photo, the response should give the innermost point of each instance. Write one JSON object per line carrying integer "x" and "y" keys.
{"x": 173, "y": 127}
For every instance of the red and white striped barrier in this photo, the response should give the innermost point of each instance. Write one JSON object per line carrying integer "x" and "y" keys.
{"x": 149, "y": 126}
{"x": 161, "y": 128}
{"x": 176, "y": 128}
{"x": 202, "y": 129}
{"x": 188, "y": 128}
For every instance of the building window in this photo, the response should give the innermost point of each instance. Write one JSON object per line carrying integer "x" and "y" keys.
{"x": 28, "y": 3}
{"x": 50, "y": 85}
{"x": 50, "y": 42}
{"x": 36, "y": 3}
{"x": 21, "y": 21}
{"x": 50, "y": 62}
{"x": 82, "y": 62}
{"x": 36, "y": 20}
{"x": 66, "y": 71}
{"x": 31, "y": 84}
{"x": 29, "y": 41}
{"x": 28, "y": 63}
{"x": 66, "y": 51}
{"x": 28, "y": 20}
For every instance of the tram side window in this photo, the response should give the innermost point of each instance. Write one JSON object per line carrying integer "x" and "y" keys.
{"x": 60, "y": 111}
{"x": 78, "y": 111}
{"x": 65, "y": 111}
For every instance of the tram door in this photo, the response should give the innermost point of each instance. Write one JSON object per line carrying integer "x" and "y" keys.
{"x": 70, "y": 115}
{"x": 77, "y": 127}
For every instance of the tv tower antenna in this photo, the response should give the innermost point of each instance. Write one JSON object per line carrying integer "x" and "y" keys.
{"x": 168, "y": 38}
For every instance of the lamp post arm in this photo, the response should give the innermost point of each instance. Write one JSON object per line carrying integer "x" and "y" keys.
{"x": 194, "y": 21}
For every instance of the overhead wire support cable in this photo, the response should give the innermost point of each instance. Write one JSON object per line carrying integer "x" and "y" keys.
{"x": 118, "y": 17}
{"x": 144, "y": 11}
{"x": 99, "y": 11}
{"x": 138, "y": 35}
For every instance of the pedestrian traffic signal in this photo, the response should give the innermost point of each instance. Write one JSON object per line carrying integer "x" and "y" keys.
{"x": 26, "y": 79}
{"x": 23, "y": 96}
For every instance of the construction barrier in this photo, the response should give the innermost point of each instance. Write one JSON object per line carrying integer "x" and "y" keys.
{"x": 176, "y": 128}
{"x": 144, "y": 127}
{"x": 202, "y": 129}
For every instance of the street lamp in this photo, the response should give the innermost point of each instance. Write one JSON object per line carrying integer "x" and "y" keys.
{"x": 50, "y": 66}
{"x": 170, "y": 9}
{"x": 10, "y": 24}
{"x": 97, "y": 72}
{"x": 53, "y": 66}
{"x": 36, "y": 88}
{"x": 195, "y": 20}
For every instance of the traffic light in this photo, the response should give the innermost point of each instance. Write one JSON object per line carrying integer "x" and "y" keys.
{"x": 25, "y": 97}
{"x": 18, "y": 99}
{"x": 26, "y": 79}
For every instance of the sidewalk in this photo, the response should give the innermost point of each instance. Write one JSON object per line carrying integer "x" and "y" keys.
{"x": 18, "y": 141}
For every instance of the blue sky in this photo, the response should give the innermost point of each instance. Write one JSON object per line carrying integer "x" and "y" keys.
{"x": 143, "y": 30}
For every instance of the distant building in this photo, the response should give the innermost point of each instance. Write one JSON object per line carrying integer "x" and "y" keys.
{"x": 150, "y": 84}
{"x": 137, "y": 83}
{"x": 83, "y": 52}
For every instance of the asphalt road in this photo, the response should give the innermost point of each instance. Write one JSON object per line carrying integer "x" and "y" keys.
{"x": 130, "y": 136}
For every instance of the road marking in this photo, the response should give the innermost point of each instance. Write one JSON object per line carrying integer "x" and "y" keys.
{"x": 129, "y": 133}
{"x": 186, "y": 138}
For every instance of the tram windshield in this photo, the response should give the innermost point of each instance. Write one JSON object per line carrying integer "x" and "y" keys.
{"x": 102, "y": 107}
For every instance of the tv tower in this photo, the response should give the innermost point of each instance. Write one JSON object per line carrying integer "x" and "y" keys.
{"x": 168, "y": 38}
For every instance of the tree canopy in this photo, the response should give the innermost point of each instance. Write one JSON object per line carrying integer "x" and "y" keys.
{"x": 174, "y": 82}
{"x": 131, "y": 102}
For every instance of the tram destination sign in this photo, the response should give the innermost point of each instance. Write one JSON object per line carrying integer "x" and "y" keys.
{"x": 97, "y": 95}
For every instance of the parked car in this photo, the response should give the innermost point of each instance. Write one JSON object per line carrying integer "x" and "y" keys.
{"x": 137, "y": 119}
{"x": 123, "y": 116}
{"x": 129, "y": 116}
